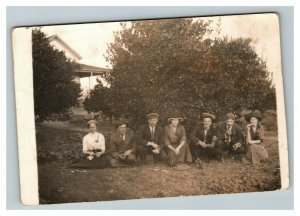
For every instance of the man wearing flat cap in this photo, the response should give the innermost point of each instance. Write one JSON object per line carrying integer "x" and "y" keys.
{"x": 203, "y": 138}
{"x": 230, "y": 138}
{"x": 150, "y": 139}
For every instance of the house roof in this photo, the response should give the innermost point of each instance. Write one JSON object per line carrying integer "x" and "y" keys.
{"x": 56, "y": 37}
{"x": 87, "y": 70}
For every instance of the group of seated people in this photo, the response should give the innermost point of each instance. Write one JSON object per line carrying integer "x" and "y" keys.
{"x": 172, "y": 145}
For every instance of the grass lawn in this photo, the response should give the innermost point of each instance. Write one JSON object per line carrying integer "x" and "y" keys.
{"x": 57, "y": 148}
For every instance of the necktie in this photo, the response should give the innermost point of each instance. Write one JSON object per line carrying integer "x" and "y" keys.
{"x": 152, "y": 132}
{"x": 229, "y": 134}
{"x": 123, "y": 139}
{"x": 205, "y": 132}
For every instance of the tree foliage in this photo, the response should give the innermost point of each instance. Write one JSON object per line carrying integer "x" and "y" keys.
{"x": 98, "y": 100}
{"x": 167, "y": 65}
{"x": 55, "y": 90}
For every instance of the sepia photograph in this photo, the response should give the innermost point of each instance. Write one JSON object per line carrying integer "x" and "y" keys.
{"x": 153, "y": 108}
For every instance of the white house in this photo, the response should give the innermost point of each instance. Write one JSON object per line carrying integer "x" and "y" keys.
{"x": 59, "y": 44}
{"x": 85, "y": 70}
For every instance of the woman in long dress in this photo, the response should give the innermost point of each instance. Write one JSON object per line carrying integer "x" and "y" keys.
{"x": 176, "y": 142}
{"x": 93, "y": 147}
{"x": 255, "y": 135}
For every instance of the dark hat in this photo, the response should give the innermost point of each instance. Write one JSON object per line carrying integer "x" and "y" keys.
{"x": 120, "y": 123}
{"x": 230, "y": 116}
{"x": 151, "y": 115}
{"x": 179, "y": 119}
{"x": 208, "y": 115}
{"x": 175, "y": 115}
{"x": 92, "y": 121}
{"x": 255, "y": 113}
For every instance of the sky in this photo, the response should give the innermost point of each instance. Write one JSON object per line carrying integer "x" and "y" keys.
{"x": 91, "y": 40}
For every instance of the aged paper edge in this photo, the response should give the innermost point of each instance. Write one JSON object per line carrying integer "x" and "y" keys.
{"x": 281, "y": 122}
{"x": 23, "y": 77}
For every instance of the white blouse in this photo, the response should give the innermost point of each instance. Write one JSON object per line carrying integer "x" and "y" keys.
{"x": 94, "y": 141}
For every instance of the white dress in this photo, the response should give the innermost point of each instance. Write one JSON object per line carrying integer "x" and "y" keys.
{"x": 92, "y": 142}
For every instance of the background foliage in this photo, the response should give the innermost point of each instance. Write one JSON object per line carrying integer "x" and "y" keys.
{"x": 172, "y": 64}
{"x": 53, "y": 78}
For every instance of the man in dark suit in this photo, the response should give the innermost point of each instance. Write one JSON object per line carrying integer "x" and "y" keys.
{"x": 203, "y": 138}
{"x": 150, "y": 140}
{"x": 230, "y": 138}
{"x": 121, "y": 146}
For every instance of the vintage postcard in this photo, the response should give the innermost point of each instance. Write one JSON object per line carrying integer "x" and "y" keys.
{"x": 150, "y": 109}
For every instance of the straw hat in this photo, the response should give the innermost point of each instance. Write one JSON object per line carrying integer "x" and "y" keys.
{"x": 92, "y": 122}
{"x": 208, "y": 115}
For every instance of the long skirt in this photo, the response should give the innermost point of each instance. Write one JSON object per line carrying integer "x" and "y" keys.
{"x": 96, "y": 163}
{"x": 184, "y": 155}
{"x": 256, "y": 153}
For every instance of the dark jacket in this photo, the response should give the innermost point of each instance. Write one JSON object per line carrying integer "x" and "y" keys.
{"x": 118, "y": 145}
{"x": 144, "y": 135}
{"x": 236, "y": 136}
{"x": 197, "y": 134}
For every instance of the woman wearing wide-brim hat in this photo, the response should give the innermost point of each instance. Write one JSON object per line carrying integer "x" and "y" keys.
{"x": 176, "y": 141}
{"x": 256, "y": 151}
